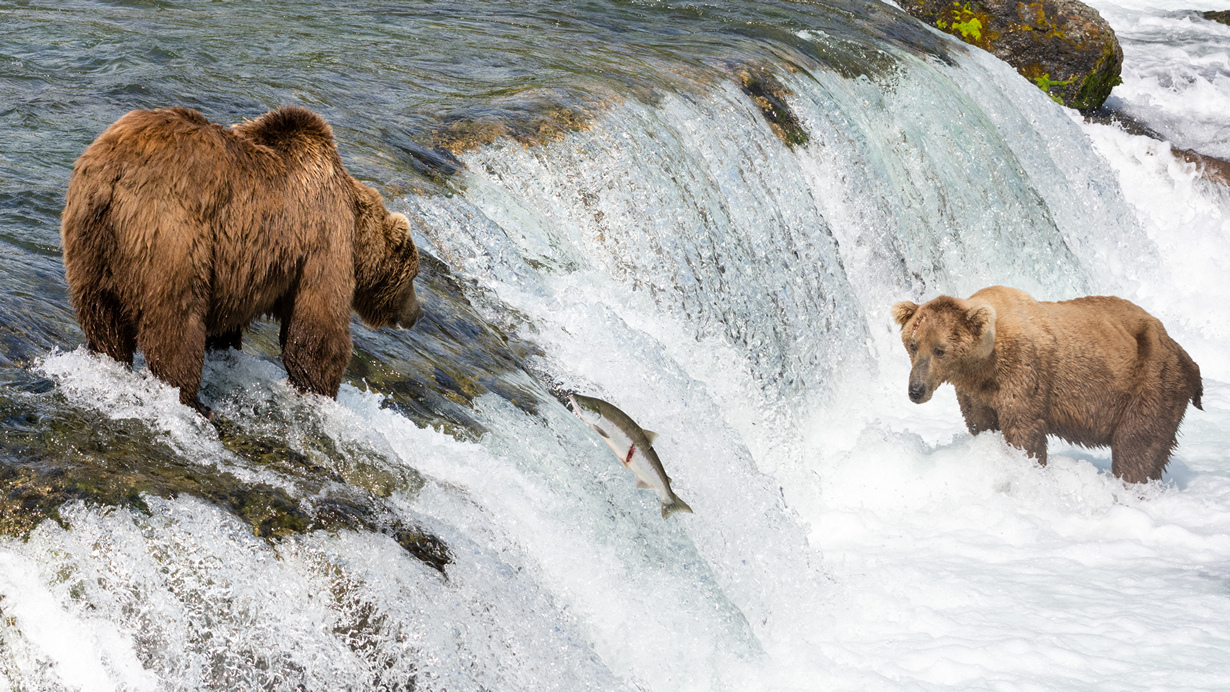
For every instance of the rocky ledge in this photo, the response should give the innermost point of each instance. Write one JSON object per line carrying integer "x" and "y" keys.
{"x": 1063, "y": 46}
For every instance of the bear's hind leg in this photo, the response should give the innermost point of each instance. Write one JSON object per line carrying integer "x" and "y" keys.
{"x": 108, "y": 329}
{"x": 1142, "y": 442}
{"x": 174, "y": 347}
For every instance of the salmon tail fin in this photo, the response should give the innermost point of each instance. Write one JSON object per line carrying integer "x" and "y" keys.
{"x": 676, "y": 505}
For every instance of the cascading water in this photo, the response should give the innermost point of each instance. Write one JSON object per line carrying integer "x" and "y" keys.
{"x": 639, "y": 228}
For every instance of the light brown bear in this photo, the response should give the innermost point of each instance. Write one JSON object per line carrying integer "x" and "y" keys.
{"x": 178, "y": 232}
{"x": 1094, "y": 371}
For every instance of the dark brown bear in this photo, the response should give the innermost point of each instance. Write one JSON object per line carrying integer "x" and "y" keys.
{"x": 1094, "y": 371}
{"x": 178, "y": 232}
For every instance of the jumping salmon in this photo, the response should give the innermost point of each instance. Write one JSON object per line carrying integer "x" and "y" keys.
{"x": 633, "y": 445}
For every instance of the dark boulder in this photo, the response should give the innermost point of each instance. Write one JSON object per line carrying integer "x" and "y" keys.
{"x": 1063, "y": 46}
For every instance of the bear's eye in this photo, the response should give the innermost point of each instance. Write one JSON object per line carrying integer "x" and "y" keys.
{"x": 911, "y": 348}
{"x": 939, "y": 352}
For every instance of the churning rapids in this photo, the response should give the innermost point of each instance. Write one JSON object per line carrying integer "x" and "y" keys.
{"x": 698, "y": 211}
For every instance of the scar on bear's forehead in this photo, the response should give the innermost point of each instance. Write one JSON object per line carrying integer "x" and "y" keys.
{"x": 917, "y": 323}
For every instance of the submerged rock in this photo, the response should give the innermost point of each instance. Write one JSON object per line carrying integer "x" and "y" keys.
{"x": 1063, "y": 46}
{"x": 769, "y": 94}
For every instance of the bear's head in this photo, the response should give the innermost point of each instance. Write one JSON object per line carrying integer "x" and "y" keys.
{"x": 386, "y": 262}
{"x": 946, "y": 338}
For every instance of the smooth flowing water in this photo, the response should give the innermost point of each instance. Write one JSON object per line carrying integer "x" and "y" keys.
{"x": 698, "y": 211}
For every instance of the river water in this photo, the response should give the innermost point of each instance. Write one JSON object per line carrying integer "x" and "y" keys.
{"x": 698, "y": 211}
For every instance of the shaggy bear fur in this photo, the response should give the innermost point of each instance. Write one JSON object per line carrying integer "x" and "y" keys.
{"x": 1094, "y": 371}
{"x": 178, "y": 232}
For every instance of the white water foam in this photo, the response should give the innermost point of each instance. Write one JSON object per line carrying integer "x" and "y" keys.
{"x": 1176, "y": 70}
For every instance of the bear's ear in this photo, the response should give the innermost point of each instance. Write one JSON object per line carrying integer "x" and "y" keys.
{"x": 979, "y": 318}
{"x": 903, "y": 311}
{"x": 981, "y": 322}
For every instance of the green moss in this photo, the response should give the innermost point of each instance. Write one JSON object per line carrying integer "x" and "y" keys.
{"x": 970, "y": 29}
{"x": 970, "y": 24}
{"x": 1045, "y": 83}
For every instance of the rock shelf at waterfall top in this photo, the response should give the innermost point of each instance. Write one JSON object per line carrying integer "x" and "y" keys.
{"x": 1062, "y": 46}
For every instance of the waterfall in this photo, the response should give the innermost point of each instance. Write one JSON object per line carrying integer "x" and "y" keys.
{"x": 730, "y": 290}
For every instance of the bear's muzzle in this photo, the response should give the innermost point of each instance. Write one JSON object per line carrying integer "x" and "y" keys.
{"x": 409, "y": 318}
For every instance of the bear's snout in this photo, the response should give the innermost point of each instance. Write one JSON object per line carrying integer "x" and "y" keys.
{"x": 921, "y": 387}
{"x": 409, "y": 318}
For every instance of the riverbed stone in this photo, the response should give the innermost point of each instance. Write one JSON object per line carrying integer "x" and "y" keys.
{"x": 1063, "y": 46}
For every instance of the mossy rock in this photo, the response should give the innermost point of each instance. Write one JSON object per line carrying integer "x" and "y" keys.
{"x": 1062, "y": 46}
{"x": 52, "y": 453}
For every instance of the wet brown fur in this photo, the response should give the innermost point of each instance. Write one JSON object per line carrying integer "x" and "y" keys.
{"x": 178, "y": 232}
{"x": 1095, "y": 371}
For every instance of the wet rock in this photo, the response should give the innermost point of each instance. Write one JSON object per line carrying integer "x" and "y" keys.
{"x": 1063, "y": 46}
{"x": 1222, "y": 16}
{"x": 531, "y": 118}
{"x": 52, "y": 453}
{"x": 769, "y": 95}
{"x": 1210, "y": 168}
{"x": 430, "y": 374}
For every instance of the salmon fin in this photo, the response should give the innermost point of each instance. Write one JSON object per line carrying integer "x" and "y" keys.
{"x": 650, "y": 436}
{"x": 643, "y": 485}
{"x": 676, "y": 505}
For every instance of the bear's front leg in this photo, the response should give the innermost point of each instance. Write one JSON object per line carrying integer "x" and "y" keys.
{"x": 1021, "y": 402}
{"x": 315, "y": 332}
{"x": 1026, "y": 430}
{"x": 978, "y": 416}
